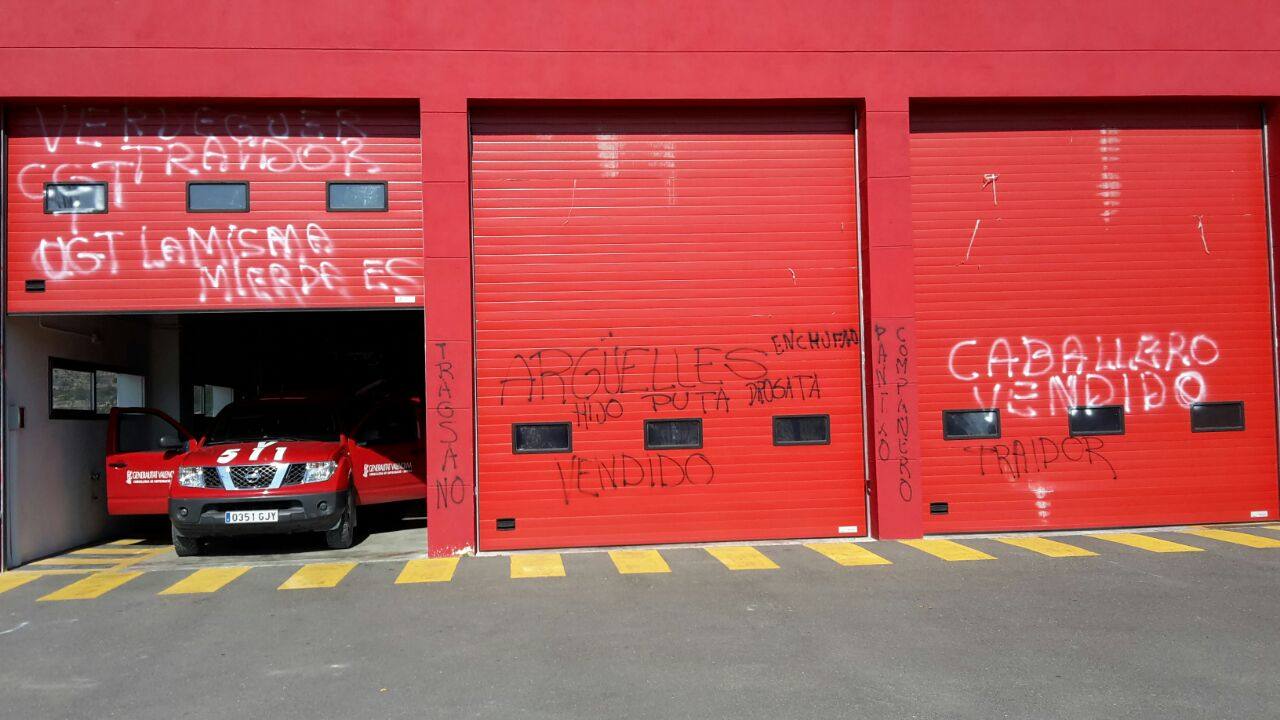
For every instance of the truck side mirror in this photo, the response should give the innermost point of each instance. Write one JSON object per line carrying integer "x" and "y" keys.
{"x": 171, "y": 442}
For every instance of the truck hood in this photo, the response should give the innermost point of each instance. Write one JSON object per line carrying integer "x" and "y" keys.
{"x": 285, "y": 451}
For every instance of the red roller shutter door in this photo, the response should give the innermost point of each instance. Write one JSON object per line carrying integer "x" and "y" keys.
{"x": 1072, "y": 256}
{"x": 148, "y": 253}
{"x": 640, "y": 265}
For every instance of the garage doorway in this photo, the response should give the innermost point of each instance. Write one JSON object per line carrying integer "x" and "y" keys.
{"x": 66, "y": 373}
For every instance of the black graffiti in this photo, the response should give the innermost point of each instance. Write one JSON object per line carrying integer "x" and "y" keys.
{"x": 450, "y": 488}
{"x": 612, "y": 369}
{"x": 708, "y": 401}
{"x": 789, "y": 340}
{"x": 790, "y": 387}
{"x": 450, "y": 491}
{"x": 884, "y": 450}
{"x": 1015, "y": 459}
{"x": 893, "y": 430}
{"x": 903, "y": 420}
{"x": 596, "y": 412}
{"x": 594, "y": 477}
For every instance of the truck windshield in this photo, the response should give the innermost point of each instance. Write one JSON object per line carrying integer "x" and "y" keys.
{"x": 273, "y": 421}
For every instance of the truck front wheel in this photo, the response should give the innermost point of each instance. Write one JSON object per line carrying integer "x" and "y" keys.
{"x": 184, "y": 546}
{"x": 344, "y": 535}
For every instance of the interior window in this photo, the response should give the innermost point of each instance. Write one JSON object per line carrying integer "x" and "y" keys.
{"x": 71, "y": 390}
{"x": 112, "y": 389}
{"x": 208, "y": 400}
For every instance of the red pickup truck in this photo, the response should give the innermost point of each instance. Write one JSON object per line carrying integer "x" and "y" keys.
{"x": 266, "y": 466}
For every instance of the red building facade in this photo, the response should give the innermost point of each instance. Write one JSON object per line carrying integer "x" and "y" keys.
{"x": 860, "y": 214}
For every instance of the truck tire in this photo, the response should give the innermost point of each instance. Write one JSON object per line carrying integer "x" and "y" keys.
{"x": 184, "y": 546}
{"x": 343, "y": 536}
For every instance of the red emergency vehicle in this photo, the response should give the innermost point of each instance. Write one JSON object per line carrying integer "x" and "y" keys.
{"x": 274, "y": 465}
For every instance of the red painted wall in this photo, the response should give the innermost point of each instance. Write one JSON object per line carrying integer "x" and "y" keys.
{"x": 449, "y": 55}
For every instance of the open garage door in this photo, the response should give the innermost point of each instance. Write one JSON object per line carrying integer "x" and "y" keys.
{"x": 1093, "y": 297}
{"x": 666, "y": 326}
{"x": 116, "y": 208}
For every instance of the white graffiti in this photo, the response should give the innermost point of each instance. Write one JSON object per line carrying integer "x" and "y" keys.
{"x": 271, "y": 263}
{"x": 289, "y": 262}
{"x": 1029, "y": 376}
{"x": 323, "y": 142}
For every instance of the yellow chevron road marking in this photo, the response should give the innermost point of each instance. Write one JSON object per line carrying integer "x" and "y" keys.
{"x": 64, "y": 561}
{"x": 537, "y": 565}
{"x": 428, "y": 570}
{"x": 203, "y": 581}
{"x": 130, "y": 561}
{"x": 109, "y": 551}
{"x": 1237, "y": 538}
{"x": 1145, "y": 542}
{"x": 317, "y": 575}
{"x": 948, "y": 550}
{"x": 125, "y": 541}
{"x": 93, "y": 586}
{"x": 742, "y": 557}
{"x": 1045, "y": 546}
{"x": 11, "y": 580}
{"x": 848, "y": 554}
{"x": 639, "y": 562}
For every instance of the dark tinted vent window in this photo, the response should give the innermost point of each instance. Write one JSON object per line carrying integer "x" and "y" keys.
{"x": 218, "y": 197}
{"x": 541, "y": 438}
{"x": 970, "y": 424}
{"x": 672, "y": 434}
{"x": 75, "y": 198}
{"x": 801, "y": 430}
{"x": 1103, "y": 420}
{"x": 356, "y": 197}
{"x": 1217, "y": 416}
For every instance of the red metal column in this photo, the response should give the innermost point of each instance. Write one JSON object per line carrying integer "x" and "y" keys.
{"x": 891, "y": 369}
{"x": 451, "y": 527}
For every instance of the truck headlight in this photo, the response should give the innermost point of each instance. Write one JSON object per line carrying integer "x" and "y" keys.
{"x": 191, "y": 477}
{"x": 319, "y": 471}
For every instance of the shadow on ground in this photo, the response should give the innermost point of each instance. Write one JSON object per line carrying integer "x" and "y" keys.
{"x": 391, "y": 531}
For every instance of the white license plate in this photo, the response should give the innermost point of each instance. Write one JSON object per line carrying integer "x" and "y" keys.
{"x": 237, "y": 517}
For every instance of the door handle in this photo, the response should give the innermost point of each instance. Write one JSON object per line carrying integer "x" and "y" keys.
{"x": 117, "y": 465}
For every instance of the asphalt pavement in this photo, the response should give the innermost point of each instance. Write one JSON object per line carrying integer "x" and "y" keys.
{"x": 1123, "y": 633}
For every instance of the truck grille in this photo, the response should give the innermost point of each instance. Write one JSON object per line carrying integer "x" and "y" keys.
{"x": 294, "y": 474}
{"x": 253, "y": 477}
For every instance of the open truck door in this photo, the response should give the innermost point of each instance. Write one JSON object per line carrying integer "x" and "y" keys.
{"x": 388, "y": 453}
{"x": 144, "y": 448}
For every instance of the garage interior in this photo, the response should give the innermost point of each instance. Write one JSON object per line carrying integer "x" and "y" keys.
{"x": 188, "y": 365}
